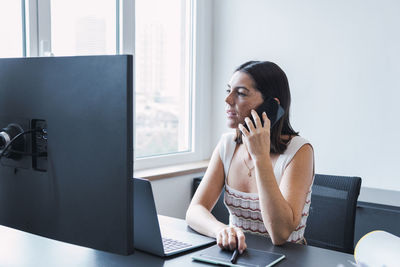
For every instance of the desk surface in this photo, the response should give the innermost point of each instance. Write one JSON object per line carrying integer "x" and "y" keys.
{"x": 23, "y": 249}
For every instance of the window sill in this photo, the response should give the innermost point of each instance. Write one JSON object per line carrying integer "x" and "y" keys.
{"x": 172, "y": 170}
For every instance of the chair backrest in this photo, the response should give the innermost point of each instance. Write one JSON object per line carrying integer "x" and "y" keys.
{"x": 332, "y": 212}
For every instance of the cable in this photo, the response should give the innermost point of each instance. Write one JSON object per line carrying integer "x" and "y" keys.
{"x": 15, "y": 138}
{"x": 43, "y": 154}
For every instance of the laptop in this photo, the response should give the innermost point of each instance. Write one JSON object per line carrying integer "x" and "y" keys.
{"x": 149, "y": 236}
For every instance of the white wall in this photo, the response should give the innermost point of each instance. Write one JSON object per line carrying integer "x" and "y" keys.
{"x": 342, "y": 60}
{"x": 172, "y": 196}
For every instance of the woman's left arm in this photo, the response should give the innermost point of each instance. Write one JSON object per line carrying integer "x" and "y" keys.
{"x": 281, "y": 205}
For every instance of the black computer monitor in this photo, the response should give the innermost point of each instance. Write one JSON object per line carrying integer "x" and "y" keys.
{"x": 71, "y": 178}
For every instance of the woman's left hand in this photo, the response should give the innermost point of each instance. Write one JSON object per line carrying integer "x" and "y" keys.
{"x": 257, "y": 140}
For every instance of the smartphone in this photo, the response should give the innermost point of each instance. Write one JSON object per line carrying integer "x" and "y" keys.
{"x": 272, "y": 108}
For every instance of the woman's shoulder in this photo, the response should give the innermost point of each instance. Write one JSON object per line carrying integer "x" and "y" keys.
{"x": 228, "y": 137}
{"x": 295, "y": 142}
{"x": 228, "y": 134}
{"x": 227, "y": 146}
{"x": 298, "y": 139}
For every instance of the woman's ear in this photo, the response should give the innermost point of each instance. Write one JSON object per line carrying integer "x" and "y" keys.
{"x": 277, "y": 100}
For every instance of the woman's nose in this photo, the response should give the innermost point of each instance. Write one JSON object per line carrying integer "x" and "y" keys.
{"x": 229, "y": 99}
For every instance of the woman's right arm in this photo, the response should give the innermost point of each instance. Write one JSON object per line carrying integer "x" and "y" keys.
{"x": 198, "y": 215}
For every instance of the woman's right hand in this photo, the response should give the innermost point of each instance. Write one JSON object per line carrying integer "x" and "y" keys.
{"x": 231, "y": 238}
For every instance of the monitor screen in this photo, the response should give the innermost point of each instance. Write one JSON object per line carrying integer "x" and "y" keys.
{"x": 66, "y": 147}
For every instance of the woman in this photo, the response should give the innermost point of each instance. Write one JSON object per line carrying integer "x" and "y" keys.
{"x": 267, "y": 173}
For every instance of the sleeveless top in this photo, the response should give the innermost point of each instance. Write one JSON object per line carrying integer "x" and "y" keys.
{"x": 244, "y": 208}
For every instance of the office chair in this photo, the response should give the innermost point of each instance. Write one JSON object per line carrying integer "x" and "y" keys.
{"x": 219, "y": 211}
{"x": 332, "y": 212}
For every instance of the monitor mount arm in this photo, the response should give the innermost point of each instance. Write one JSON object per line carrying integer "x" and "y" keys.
{"x": 7, "y": 135}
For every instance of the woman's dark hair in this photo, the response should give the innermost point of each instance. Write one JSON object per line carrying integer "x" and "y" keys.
{"x": 271, "y": 81}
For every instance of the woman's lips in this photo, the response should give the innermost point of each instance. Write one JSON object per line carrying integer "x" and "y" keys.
{"x": 231, "y": 114}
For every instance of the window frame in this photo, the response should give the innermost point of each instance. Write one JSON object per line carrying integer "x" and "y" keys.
{"x": 38, "y": 36}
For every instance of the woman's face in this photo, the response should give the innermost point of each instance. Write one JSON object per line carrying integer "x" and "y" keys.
{"x": 241, "y": 98}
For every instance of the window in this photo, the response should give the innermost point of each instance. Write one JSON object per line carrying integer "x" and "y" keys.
{"x": 11, "y": 29}
{"x": 163, "y": 77}
{"x": 161, "y": 36}
{"x": 83, "y": 27}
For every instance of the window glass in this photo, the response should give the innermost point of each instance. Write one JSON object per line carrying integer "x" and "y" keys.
{"x": 11, "y": 29}
{"x": 162, "y": 81}
{"x": 83, "y": 27}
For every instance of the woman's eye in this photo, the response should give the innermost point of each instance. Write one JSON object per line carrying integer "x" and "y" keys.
{"x": 228, "y": 91}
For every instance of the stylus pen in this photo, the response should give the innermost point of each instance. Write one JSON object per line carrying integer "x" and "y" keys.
{"x": 235, "y": 255}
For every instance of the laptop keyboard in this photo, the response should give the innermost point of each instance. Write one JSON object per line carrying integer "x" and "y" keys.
{"x": 172, "y": 244}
